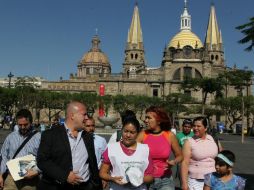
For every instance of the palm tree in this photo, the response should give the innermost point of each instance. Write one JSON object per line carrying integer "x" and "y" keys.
{"x": 248, "y": 31}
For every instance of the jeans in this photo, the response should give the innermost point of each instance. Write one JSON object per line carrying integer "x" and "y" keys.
{"x": 165, "y": 183}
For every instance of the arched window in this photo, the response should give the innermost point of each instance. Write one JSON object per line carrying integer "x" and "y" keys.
{"x": 131, "y": 55}
{"x": 136, "y": 56}
{"x": 187, "y": 72}
{"x": 155, "y": 93}
{"x": 177, "y": 75}
{"x": 197, "y": 74}
{"x": 212, "y": 57}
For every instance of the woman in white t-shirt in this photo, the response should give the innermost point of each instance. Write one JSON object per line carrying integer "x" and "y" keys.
{"x": 127, "y": 164}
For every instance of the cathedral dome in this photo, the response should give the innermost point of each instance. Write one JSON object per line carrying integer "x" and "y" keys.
{"x": 95, "y": 55}
{"x": 184, "y": 38}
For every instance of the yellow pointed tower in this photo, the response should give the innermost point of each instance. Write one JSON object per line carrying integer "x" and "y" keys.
{"x": 213, "y": 35}
{"x": 134, "y": 51}
{"x": 213, "y": 40}
{"x": 135, "y": 32}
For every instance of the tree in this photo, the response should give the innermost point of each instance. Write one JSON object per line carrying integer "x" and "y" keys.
{"x": 232, "y": 105}
{"x": 90, "y": 99}
{"x": 206, "y": 85}
{"x": 120, "y": 103}
{"x": 240, "y": 79}
{"x": 54, "y": 102}
{"x": 248, "y": 31}
{"x": 8, "y": 100}
{"x": 249, "y": 109}
{"x": 175, "y": 103}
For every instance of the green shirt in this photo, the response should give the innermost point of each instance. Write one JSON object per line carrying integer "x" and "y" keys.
{"x": 181, "y": 137}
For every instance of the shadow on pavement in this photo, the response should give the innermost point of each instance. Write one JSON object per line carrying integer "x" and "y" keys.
{"x": 249, "y": 180}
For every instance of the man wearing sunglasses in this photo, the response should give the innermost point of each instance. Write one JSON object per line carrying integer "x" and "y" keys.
{"x": 17, "y": 144}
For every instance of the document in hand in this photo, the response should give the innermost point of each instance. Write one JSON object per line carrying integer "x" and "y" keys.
{"x": 19, "y": 166}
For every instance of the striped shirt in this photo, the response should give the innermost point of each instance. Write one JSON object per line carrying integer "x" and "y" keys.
{"x": 13, "y": 142}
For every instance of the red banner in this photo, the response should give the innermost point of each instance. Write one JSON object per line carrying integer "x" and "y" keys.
{"x": 101, "y": 106}
{"x": 102, "y": 90}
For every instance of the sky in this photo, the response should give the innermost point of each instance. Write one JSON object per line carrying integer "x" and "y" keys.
{"x": 47, "y": 38}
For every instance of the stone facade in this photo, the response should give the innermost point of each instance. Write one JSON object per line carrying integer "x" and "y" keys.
{"x": 185, "y": 55}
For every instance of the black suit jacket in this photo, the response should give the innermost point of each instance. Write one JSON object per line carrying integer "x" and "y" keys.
{"x": 55, "y": 161}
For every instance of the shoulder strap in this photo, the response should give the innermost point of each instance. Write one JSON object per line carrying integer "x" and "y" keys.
{"x": 24, "y": 143}
{"x": 166, "y": 134}
{"x": 118, "y": 135}
{"x": 145, "y": 136}
{"x": 216, "y": 140}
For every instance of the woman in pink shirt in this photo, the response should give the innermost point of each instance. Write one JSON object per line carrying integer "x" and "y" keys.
{"x": 161, "y": 143}
{"x": 199, "y": 153}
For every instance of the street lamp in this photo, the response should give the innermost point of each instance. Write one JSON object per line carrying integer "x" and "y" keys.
{"x": 10, "y": 75}
{"x": 240, "y": 91}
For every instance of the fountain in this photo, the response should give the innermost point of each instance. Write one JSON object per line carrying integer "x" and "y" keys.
{"x": 108, "y": 121}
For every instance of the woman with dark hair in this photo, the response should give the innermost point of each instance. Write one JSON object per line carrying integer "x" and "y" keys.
{"x": 116, "y": 136}
{"x": 127, "y": 164}
{"x": 161, "y": 143}
{"x": 198, "y": 153}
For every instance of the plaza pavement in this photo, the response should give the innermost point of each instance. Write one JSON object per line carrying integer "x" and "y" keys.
{"x": 244, "y": 153}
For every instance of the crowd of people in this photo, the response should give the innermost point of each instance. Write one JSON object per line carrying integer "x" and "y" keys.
{"x": 72, "y": 157}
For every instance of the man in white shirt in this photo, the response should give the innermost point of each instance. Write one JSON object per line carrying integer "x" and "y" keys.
{"x": 100, "y": 143}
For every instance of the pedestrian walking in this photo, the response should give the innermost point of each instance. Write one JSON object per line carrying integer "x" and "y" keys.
{"x": 224, "y": 178}
{"x": 100, "y": 143}
{"x": 17, "y": 144}
{"x": 66, "y": 154}
{"x": 161, "y": 143}
{"x": 199, "y": 153}
{"x": 186, "y": 132}
{"x": 127, "y": 164}
{"x": 116, "y": 136}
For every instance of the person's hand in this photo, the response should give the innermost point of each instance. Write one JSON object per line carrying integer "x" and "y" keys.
{"x": 1, "y": 182}
{"x": 171, "y": 162}
{"x": 31, "y": 174}
{"x": 73, "y": 178}
{"x": 118, "y": 180}
{"x": 185, "y": 187}
{"x": 104, "y": 184}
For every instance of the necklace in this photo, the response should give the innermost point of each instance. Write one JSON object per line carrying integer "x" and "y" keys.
{"x": 156, "y": 132}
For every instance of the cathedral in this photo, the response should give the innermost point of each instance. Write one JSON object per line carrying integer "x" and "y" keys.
{"x": 184, "y": 55}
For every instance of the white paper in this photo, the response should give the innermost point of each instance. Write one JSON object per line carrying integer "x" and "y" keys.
{"x": 18, "y": 166}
